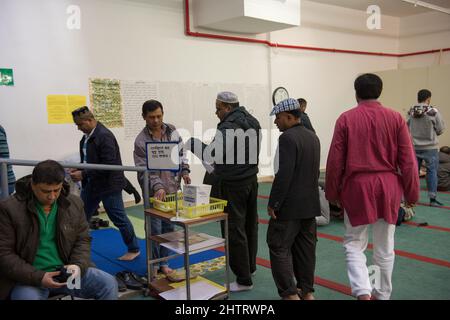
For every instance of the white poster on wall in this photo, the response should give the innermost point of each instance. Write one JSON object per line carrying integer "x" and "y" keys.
{"x": 134, "y": 94}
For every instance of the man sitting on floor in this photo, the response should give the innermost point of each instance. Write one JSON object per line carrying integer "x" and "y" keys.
{"x": 444, "y": 169}
{"x": 43, "y": 227}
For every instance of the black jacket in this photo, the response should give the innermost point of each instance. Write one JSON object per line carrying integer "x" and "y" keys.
{"x": 102, "y": 148}
{"x": 236, "y": 119}
{"x": 295, "y": 190}
{"x": 306, "y": 122}
{"x": 19, "y": 236}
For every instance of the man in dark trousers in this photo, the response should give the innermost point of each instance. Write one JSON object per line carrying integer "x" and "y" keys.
{"x": 234, "y": 156}
{"x": 99, "y": 146}
{"x": 294, "y": 205}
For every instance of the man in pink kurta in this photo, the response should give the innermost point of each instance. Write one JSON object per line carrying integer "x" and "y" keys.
{"x": 371, "y": 166}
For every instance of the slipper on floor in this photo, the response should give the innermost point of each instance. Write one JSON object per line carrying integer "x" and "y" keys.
{"x": 175, "y": 276}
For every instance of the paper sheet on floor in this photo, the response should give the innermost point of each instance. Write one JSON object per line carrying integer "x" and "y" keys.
{"x": 200, "y": 290}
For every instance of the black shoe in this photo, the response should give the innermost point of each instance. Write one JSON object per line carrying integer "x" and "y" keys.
{"x": 142, "y": 280}
{"x": 97, "y": 223}
{"x": 103, "y": 223}
{"x": 121, "y": 285}
{"x": 435, "y": 203}
{"x": 94, "y": 223}
{"x": 137, "y": 197}
{"x": 130, "y": 282}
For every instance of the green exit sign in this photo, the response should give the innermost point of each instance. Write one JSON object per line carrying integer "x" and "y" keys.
{"x": 6, "y": 77}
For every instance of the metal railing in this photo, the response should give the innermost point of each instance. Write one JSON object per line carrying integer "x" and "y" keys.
{"x": 31, "y": 163}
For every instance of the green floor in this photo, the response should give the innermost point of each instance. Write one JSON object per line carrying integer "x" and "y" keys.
{"x": 422, "y": 265}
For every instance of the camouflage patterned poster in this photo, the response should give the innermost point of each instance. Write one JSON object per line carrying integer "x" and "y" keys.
{"x": 106, "y": 101}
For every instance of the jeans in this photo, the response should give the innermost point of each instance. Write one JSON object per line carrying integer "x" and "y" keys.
{"x": 355, "y": 243}
{"x": 431, "y": 158}
{"x": 160, "y": 227}
{"x": 95, "y": 284}
{"x": 115, "y": 210}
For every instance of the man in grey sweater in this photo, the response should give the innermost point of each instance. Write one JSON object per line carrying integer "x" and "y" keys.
{"x": 426, "y": 124}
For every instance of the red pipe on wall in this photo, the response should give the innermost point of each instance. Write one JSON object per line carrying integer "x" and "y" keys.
{"x": 286, "y": 46}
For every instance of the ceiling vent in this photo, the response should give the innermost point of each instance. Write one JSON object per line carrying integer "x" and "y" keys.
{"x": 247, "y": 16}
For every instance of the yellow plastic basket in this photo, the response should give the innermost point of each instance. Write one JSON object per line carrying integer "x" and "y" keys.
{"x": 168, "y": 205}
{"x": 215, "y": 206}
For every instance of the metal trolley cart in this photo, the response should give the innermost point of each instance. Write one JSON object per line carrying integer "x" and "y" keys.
{"x": 185, "y": 225}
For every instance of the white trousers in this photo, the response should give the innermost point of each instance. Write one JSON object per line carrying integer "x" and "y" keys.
{"x": 379, "y": 283}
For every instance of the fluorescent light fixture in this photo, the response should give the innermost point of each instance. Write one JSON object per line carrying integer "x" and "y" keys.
{"x": 428, "y": 5}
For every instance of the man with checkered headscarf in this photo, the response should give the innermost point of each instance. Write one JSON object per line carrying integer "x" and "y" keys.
{"x": 294, "y": 204}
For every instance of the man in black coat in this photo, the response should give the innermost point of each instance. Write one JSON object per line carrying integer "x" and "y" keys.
{"x": 234, "y": 155}
{"x": 304, "y": 118}
{"x": 293, "y": 205}
{"x": 99, "y": 146}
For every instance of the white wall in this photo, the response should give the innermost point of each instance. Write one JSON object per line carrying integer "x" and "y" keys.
{"x": 144, "y": 40}
{"x": 401, "y": 87}
{"x": 326, "y": 80}
{"x": 423, "y": 32}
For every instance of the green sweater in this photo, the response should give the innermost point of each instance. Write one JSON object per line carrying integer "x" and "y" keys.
{"x": 47, "y": 256}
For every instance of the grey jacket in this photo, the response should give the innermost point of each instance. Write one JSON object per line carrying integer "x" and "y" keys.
{"x": 426, "y": 129}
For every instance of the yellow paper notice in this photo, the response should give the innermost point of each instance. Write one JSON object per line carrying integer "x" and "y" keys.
{"x": 59, "y": 107}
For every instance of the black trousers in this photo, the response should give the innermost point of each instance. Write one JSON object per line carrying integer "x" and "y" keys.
{"x": 292, "y": 245}
{"x": 242, "y": 226}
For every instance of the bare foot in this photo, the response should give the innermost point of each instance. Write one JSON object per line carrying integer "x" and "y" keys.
{"x": 166, "y": 270}
{"x": 292, "y": 297}
{"x": 364, "y": 297}
{"x": 129, "y": 256}
{"x": 308, "y": 296}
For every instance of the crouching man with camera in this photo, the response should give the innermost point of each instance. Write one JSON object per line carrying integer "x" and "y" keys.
{"x": 45, "y": 242}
